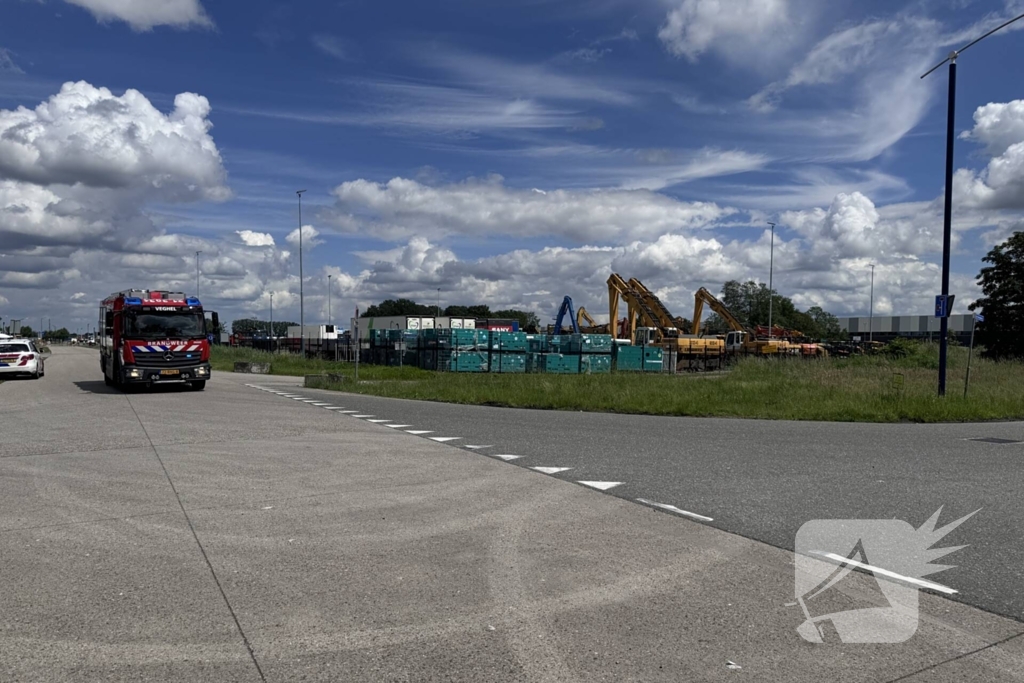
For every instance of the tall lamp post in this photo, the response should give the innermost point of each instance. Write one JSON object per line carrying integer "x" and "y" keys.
{"x": 438, "y": 302}
{"x": 328, "y": 299}
{"x": 871, "y": 309}
{"x": 197, "y": 273}
{"x": 272, "y": 322}
{"x": 302, "y": 306}
{"x": 947, "y": 218}
{"x": 771, "y": 272}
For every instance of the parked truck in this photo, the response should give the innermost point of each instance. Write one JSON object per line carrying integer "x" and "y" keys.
{"x": 149, "y": 337}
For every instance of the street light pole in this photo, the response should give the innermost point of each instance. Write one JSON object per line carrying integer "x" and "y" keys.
{"x": 328, "y": 299}
{"x": 271, "y": 322}
{"x": 771, "y": 272}
{"x": 302, "y": 306}
{"x": 197, "y": 273}
{"x": 438, "y": 302}
{"x": 871, "y": 310}
{"x": 947, "y": 218}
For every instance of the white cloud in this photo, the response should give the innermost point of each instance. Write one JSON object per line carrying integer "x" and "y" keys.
{"x": 737, "y": 29}
{"x": 309, "y": 237}
{"x": 404, "y": 208}
{"x": 7, "y": 62}
{"x": 333, "y": 46}
{"x": 255, "y": 239}
{"x": 143, "y": 15}
{"x": 88, "y": 136}
{"x": 78, "y": 296}
{"x": 1000, "y": 185}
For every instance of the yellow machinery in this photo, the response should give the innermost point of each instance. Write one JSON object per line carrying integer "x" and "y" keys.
{"x": 587, "y": 324}
{"x": 740, "y": 339}
{"x": 644, "y": 308}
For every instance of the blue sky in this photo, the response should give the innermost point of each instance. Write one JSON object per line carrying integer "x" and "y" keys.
{"x": 507, "y": 152}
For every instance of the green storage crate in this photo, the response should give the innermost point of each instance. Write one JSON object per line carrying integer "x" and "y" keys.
{"x": 654, "y": 357}
{"x": 595, "y": 363}
{"x": 535, "y": 362}
{"x": 537, "y": 343}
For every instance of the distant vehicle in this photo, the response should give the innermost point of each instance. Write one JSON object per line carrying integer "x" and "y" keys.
{"x": 152, "y": 337}
{"x": 20, "y": 357}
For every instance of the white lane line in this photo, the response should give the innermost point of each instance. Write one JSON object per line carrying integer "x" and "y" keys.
{"x": 673, "y": 508}
{"x": 601, "y": 485}
{"x": 362, "y": 416}
{"x": 348, "y": 412}
{"x": 398, "y": 426}
{"x": 551, "y": 470}
{"x": 378, "y": 421}
{"x": 476, "y": 448}
{"x": 443, "y": 439}
{"x": 921, "y": 583}
{"x": 506, "y": 458}
{"x": 297, "y": 398}
{"x": 319, "y": 403}
{"x": 418, "y": 432}
{"x": 333, "y": 407}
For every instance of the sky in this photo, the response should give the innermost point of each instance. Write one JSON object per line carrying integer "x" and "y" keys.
{"x": 501, "y": 152}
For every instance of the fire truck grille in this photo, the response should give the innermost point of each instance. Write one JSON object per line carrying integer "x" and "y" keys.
{"x": 168, "y": 359}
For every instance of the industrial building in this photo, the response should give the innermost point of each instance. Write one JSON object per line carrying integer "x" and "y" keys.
{"x": 921, "y": 327}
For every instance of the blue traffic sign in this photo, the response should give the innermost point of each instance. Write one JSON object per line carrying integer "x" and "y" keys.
{"x": 979, "y": 318}
{"x": 944, "y": 305}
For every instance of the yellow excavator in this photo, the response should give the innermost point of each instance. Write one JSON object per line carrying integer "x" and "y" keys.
{"x": 660, "y": 327}
{"x": 587, "y": 324}
{"x": 739, "y": 339}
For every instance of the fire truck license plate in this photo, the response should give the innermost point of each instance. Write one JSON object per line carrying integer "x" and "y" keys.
{"x": 170, "y": 372}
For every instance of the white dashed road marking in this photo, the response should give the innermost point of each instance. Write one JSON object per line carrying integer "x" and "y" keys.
{"x": 507, "y": 458}
{"x": 348, "y": 412}
{"x": 839, "y": 559}
{"x": 673, "y": 508}
{"x": 551, "y": 470}
{"x": 398, "y": 426}
{"x": 601, "y": 485}
{"x": 443, "y": 439}
{"x": 378, "y": 421}
{"x": 333, "y": 407}
{"x": 362, "y": 416}
{"x": 418, "y": 432}
{"x": 476, "y": 448}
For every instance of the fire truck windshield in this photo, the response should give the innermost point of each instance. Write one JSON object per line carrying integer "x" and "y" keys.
{"x": 165, "y": 325}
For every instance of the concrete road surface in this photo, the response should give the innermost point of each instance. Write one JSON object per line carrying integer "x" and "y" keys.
{"x": 235, "y": 534}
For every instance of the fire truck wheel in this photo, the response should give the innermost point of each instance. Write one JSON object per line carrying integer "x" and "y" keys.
{"x": 106, "y": 380}
{"x": 198, "y": 385}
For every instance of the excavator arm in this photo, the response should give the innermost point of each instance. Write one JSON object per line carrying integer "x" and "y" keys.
{"x": 705, "y": 297}
{"x": 638, "y": 307}
{"x": 583, "y": 318}
{"x": 566, "y": 311}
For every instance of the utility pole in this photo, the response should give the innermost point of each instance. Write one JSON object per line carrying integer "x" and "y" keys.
{"x": 197, "y": 273}
{"x": 947, "y": 217}
{"x": 302, "y": 306}
{"x": 272, "y": 322}
{"x": 771, "y": 272}
{"x": 438, "y": 302}
{"x": 871, "y": 310}
{"x": 328, "y": 299}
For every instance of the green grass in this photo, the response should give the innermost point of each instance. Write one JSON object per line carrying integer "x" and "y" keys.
{"x": 862, "y": 389}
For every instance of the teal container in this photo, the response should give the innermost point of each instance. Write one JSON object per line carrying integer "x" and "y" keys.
{"x": 508, "y": 362}
{"x": 628, "y": 358}
{"x": 508, "y": 341}
{"x": 596, "y": 343}
{"x": 537, "y": 343}
{"x": 561, "y": 364}
{"x": 535, "y": 362}
{"x": 595, "y": 363}
{"x": 654, "y": 357}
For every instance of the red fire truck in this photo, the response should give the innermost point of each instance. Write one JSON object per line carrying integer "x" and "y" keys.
{"x": 148, "y": 337}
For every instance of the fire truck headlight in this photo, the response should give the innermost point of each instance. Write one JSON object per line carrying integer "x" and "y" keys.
{"x": 200, "y": 371}
{"x": 135, "y": 373}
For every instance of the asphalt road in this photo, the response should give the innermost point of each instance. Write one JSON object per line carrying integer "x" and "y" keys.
{"x": 235, "y": 534}
{"x": 764, "y": 479}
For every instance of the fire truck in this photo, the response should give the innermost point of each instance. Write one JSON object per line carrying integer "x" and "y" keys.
{"x": 149, "y": 337}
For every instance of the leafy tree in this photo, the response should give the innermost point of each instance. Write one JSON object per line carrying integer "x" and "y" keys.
{"x": 248, "y": 327}
{"x": 827, "y": 325}
{"x": 1002, "y": 283}
{"x": 393, "y": 307}
{"x": 62, "y": 334}
{"x": 478, "y": 311}
{"x": 25, "y": 331}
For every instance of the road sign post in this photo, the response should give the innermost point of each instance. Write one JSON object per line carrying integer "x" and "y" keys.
{"x": 970, "y": 353}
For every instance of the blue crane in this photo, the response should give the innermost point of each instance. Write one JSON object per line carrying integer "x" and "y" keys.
{"x": 566, "y": 308}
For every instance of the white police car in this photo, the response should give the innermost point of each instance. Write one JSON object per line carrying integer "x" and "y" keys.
{"x": 20, "y": 357}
